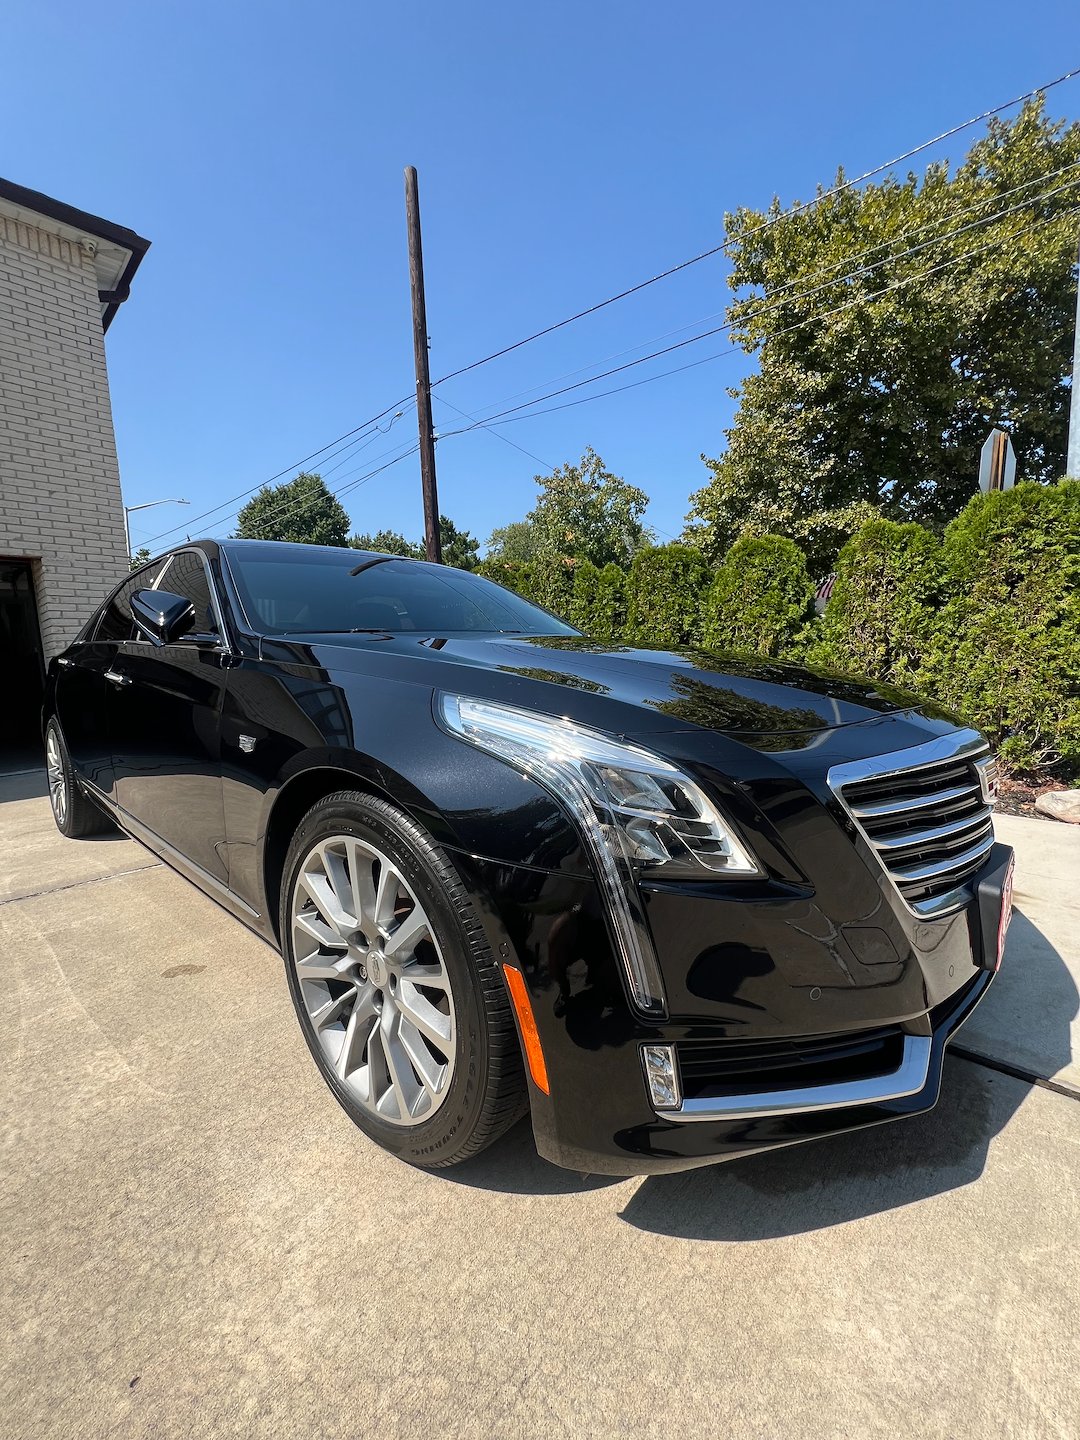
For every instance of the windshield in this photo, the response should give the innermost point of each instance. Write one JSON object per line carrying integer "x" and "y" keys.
{"x": 305, "y": 594}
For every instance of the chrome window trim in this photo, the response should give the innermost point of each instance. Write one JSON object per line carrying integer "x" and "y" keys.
{"x": 908, "y": 1079}
{"x": 959, "y": 745}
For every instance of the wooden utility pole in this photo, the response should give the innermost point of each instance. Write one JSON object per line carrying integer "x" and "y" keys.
{"x": 432, "y": 540}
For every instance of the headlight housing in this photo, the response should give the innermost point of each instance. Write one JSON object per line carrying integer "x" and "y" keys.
{"x": 639, "y": 814}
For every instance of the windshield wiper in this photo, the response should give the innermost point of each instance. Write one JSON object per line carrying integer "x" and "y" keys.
{"x": 373, "y": 560}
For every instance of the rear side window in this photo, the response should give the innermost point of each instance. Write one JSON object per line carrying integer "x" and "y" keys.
{"x": 116, "y": 622}
{"x": 186, "y": 575}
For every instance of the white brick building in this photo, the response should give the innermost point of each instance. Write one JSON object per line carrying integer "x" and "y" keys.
{"x": 63, "y": 275}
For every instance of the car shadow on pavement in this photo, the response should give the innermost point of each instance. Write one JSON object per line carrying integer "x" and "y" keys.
{"x": 23, "y": 785}
{"x": 830, "y": 1181}
{"x": 34, "y": 785}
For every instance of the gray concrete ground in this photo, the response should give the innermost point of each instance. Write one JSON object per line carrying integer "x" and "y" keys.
{"x": 196, "y": 1241}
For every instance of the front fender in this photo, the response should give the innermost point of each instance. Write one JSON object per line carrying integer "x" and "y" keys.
{"x": 305, "y": 735}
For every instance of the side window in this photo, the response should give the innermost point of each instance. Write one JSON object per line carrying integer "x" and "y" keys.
{"x": 186, "y": 576}
{"x": 116, "y": 622}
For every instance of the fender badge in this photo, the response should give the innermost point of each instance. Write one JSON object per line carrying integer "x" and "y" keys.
{"x": 247, "y": 743}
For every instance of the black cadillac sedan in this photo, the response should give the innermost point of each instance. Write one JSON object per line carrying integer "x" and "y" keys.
{"x": 679, "y": 906}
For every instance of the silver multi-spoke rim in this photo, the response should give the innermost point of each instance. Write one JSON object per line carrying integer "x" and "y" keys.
{"x": 372, "y": 980}
{"x": 57, "y": 784}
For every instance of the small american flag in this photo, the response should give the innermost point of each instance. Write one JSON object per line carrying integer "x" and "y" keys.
{"x": 823, "y": 591}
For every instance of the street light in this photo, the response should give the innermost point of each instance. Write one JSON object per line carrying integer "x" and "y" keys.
{"x": 146, "y": 505}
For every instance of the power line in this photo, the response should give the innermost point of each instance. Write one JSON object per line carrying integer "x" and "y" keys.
{"x": 798, "y": 325}
{"x": 773, "y": 305}
{"x": 188, "y": 525}
{"x": 443, "y": 401}
{"x": 994, "y": 199}
{"x": 297, "y": 507}
{"x": 764, "y": 225}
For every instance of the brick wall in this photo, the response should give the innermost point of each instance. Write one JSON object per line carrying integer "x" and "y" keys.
{"x": 60, "y": 501}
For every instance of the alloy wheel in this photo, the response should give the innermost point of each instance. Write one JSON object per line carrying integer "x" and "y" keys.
{"x": 54, "y": 765}
{"x": 372, "y": 979}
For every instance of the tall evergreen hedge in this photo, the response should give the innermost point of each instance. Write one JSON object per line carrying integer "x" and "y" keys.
{"x": 1006, "y": 646}
{"x": 598, "y": 603}
{"x": 761, "y": 598}
{"x": 664, "y": 595}
{"x": 882, "y": 614}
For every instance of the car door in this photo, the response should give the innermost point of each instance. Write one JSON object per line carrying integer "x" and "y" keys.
{"x": 82, "y": 683}
{"x": 164, "y": 714}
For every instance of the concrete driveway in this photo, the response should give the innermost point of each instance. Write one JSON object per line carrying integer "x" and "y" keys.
{"x": 196, "y": 1241}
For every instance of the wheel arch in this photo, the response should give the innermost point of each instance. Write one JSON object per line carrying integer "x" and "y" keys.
{"x": 291, "y": 803}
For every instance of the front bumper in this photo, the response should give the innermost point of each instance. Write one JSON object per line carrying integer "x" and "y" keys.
{"x": 783, "y": 978}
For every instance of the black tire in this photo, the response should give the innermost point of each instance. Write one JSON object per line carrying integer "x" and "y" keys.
{"x": 486, "y": 1092}
{"x": 75, "y": 814}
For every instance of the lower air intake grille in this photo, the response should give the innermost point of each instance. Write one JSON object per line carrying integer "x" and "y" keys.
{"x": 740, "y": 1067}
{"x": 929, "y": 823}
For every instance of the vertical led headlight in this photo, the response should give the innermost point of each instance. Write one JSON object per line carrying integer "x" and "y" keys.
{"x": 639, "y": 814}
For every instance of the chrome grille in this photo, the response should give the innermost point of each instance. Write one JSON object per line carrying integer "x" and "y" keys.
{"x": 926, "y": 815}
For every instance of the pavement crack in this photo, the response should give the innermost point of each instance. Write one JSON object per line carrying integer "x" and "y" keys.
{"x": 80, "y": 884}
{"x": 1018, "y": 1072}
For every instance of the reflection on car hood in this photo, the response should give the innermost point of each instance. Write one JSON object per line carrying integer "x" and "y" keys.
{"x": 722, "y": 692}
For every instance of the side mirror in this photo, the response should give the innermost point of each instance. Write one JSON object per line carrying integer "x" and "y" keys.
{"x": 162, "y": 616}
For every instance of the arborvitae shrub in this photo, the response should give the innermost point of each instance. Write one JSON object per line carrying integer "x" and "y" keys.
{"x": 881, "y": 615}
{"x": 761, "y": 598}
{"x": 1006, "y": 646}
{"x": 664, "y": 595}
{"x": 598, "y": 604}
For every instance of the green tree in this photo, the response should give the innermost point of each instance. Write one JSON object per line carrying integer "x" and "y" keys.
{"x": 881, "y": 615}
{"x": 141, "y": 556}
{"x": 459, "y": 548}
{"x": 583, "y": 512}
{"x": 302, "y": 509}
{"x": 875, "y": 395}
{"x": 760, "y": 598}
{"x": 513, "y": 544}
{"x": 387, "y": 542}
{"x": 665, "y": 591}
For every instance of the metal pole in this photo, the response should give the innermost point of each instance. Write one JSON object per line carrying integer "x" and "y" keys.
{"x": 127, "y": 532}
{"x": 423, "y": 377}
{"x": 1072, "y": 464}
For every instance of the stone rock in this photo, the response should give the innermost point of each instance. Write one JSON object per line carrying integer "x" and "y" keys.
{"x": 1060, "y": 805}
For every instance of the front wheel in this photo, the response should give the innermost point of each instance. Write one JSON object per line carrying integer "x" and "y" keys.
{"x": 398, "y": 994}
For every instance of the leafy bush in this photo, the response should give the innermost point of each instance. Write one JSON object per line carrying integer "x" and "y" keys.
{"x": 1006, "y": 648}
{"x": 881, "y": 616}
{"x": 546, "y": 582}
{"x": 516, "y": 575}
{"x": 760, "y": 599}
{"x": 665, "y": 590}
{"x": 598, "y": 604}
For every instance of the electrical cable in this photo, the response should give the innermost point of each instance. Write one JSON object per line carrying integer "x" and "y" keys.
{"x": 297, "y": 465}
{"x": 798, "y": 325}
{"x": 772, "y": 305}
{"x": 792, "y": 284}
{"x": 765, "y": 225}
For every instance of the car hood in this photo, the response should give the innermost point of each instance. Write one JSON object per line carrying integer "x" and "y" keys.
{"x": 687, "y": 688}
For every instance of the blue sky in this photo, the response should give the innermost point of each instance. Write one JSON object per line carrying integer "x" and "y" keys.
{"x": 565, "y": 151}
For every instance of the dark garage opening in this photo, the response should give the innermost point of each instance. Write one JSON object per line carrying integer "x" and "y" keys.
{"x": 24, "y": 667}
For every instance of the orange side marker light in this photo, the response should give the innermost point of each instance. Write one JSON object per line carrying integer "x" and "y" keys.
{"x": 519, "y": 994}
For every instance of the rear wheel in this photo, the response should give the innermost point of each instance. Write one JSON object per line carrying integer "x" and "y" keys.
{"x": 75, "y": 813}
{"x": 398, "y": 995}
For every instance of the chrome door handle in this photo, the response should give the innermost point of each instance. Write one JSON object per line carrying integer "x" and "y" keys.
{"x": 116, "y": 677}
